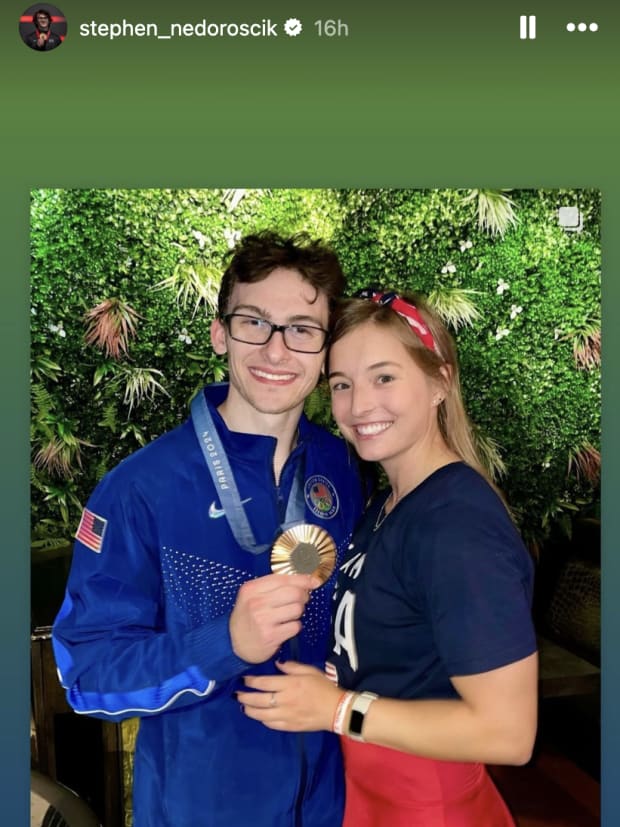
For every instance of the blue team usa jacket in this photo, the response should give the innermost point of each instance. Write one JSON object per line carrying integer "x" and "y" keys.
{"x": 143, "y": 629}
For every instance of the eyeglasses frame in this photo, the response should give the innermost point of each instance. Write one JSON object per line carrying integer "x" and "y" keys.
{"x": 275, "y": 328}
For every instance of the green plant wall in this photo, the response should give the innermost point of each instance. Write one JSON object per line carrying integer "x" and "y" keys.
{"x": 520, "y": 292}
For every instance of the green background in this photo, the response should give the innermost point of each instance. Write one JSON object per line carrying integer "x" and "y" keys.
{"x": 442, "y": 96}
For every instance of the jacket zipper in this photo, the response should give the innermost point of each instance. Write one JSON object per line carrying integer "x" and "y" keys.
{"x": 293, "y": 646}
{"x": 301, "y": 748}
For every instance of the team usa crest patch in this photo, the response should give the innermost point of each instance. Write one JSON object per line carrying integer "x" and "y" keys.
{"x": 321, "y": 497}
{"x": 91, "y": 530}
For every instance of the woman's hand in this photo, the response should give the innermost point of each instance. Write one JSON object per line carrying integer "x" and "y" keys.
{"x": 302, "y": 699}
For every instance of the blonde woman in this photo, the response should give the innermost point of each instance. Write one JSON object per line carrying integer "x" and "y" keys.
{"x": 433, "y": 667}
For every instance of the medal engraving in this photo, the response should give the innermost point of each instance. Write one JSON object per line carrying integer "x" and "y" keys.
{"x": 305, "y": 558}
{"x": 304, "y": 549}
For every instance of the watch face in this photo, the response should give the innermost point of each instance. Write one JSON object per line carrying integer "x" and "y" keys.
{"x": 304, "y": 549}
{"x": 355, "y": 722}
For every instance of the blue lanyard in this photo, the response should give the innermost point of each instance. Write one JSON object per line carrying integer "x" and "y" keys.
{"x": 221, "y": 473}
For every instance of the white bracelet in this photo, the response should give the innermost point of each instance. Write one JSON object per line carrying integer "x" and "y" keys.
{"x": 341, "y": 711}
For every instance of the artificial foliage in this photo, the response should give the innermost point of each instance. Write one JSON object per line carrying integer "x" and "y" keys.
{"x": 124, "y": 285}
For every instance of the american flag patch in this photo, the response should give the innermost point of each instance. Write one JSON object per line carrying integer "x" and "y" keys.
{"x": 331, "y": 672}
{"x": 91, "y": 530}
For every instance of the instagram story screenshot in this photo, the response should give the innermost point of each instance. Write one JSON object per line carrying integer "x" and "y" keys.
{"x": 309, "y": 375}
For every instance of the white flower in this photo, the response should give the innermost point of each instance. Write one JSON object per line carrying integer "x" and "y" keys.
{"x": 557, "y": 333}
{"x": 546, "y": 464}
{"x": 465, "y": 245}
{"x": 501, "y": 332}
{"x": 232, "y": 237}
{"x": 502, "y": 286}
{"x": 33, "y": 311}
{"x": 449, "y": 268}
{"x": 199, "y": 238}
{"x": 57, "y": 328}
{"x": 515, "y": 310}
{"x": 185, "y": 337}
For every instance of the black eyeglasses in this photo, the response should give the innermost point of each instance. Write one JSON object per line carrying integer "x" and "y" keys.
{"x": 302, "y": 338}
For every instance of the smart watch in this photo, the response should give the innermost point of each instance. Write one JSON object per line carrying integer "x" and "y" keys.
{"x": 359, "y": 709}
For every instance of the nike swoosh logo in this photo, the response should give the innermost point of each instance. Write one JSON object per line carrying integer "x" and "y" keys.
{"x": 215, "y": 512}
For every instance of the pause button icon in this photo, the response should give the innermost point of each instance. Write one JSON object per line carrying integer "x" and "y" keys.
{"x": 527, "y": 27}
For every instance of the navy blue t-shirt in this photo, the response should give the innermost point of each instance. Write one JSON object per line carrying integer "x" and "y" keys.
{"x": 441, "y": 588}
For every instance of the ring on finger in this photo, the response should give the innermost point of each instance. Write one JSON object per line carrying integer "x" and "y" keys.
{"x": 272, "y": 702}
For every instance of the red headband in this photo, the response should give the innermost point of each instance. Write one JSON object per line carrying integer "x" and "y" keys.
{"x": 408, "y": 311}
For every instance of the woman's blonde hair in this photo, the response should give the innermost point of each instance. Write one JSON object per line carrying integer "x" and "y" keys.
{"x": 439, "y": 363}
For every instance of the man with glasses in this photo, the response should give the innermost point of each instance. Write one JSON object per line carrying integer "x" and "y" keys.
{"x": 171, "y": 598}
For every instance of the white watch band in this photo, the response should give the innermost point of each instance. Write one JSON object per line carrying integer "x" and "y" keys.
{"x": 359, "y": 708}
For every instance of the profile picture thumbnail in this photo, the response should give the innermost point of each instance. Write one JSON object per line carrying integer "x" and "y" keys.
{"x": 43, "y": 27}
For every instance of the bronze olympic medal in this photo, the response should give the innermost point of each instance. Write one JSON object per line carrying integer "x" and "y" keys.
{"x": 304, "y": 549}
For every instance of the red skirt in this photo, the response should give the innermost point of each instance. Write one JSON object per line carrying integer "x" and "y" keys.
{"x": 388, "y": 788}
